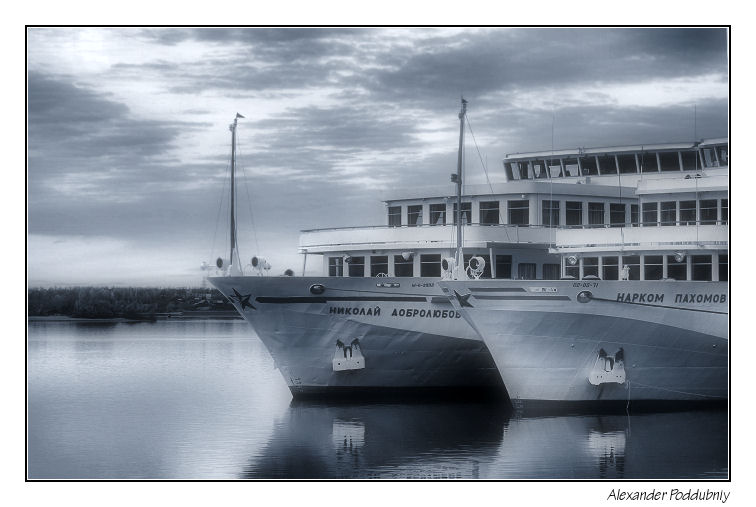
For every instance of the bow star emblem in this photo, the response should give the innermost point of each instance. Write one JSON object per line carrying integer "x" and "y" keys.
{"x": 463, "y": 300}
{"x": 243, "y": 300}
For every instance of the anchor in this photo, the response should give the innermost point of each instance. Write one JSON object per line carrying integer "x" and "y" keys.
{"x": 608, "y": 369}
{"x": 348, "y": 357}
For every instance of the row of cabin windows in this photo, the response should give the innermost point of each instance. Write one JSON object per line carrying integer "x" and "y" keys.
{"x": 518, "y": 213}
{"x": 593, "y": 165}
{"x": 652, "y": 267}
{"x": 607, "y": 269}
{"x": 430, "y": 266}
{"x": 667, "y": 212}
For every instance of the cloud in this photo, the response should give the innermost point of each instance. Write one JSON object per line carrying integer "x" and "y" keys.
{"x": 128, "y": 130}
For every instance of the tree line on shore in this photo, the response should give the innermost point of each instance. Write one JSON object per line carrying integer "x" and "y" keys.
{"x": 121, "y": 302}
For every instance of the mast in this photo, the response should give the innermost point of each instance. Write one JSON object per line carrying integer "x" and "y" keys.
{"x": 458, "y": 259}
{"x": 232, "y": 234}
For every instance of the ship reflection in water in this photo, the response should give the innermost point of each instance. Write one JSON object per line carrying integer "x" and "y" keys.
{"x": 484, "y": 441}
{"x": 202, "y": 400}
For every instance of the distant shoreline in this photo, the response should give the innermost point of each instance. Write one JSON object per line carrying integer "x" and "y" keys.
{"x": 217, "y": 315}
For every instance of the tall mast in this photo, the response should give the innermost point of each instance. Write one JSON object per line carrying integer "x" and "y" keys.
{"x": 232, "y": 128}
{"x": 459, "y": 260}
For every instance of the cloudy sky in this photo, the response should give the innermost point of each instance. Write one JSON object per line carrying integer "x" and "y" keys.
{"x": 128, "y": 141}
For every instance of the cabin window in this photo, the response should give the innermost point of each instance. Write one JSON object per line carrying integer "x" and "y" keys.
{"x": 725, "y": 211}
{"x": 590, "y": 266}
{"x": 634, "y": 219}
{"x": 555, "y": 168}
{"x": 395, "y": 216}
{"x": 669, "y": 161}
{"x": 550, "y": 213}
{"x": 438, "y": 214}
{"x": 489, "y": 213}
{"x": 630, "y": 267}
{"x": 414, "y": 215}
{"x": 687, "y": 212}
{"x": 677, "y": 270}
{"x": 539, "y": 169}
{"x": 511, "y": 169}
{"x": 709, "y": 157}
{"x": 607, "y": 164}
{"x": 486, "y": 268}
{"x": 722, "y": 152}
{"x": 648, "y": 162}
{"x": 521, "y": 170}
{"x": 571, "y": 271}
{"x": 356, "y": 266}
{"x": 653, "y": 267}
{"x": 701, "y": 267}
{"x": 430, "y": 265}
{"x": 627, "y": 164}
{"x": 595, "y": 213}
{"x": 519, "y": 212}
{"x": 571, "y": 167}
{"x": 504, "y": 266}
{"x": 466, "y": 213}
{"x": 403, "y": 267}
{"x": 574, "y": 212}
{"x": 617, "y": 215}
{"x": 723, "y": 271}
{"x": 588, "y": 165}
{"x": 689, "y": 160}
{"x": 610, "y": 268}
{"x": 650, "y": 213}
{"x": 551, "y": 272}
{"x": 378, "y": 265}
{"x": 335, "y": 266}
{"x": 669, "y": 213}
{"x": 708, "y": 211}
{"x": 526, "y": 271}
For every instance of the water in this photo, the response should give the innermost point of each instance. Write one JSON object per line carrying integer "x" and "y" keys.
{"x": 202, "y": 400}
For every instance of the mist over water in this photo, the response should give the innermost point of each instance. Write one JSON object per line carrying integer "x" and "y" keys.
{"x": 202, "y": 400}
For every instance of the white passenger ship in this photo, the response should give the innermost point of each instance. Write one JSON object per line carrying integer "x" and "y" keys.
{"x": 642, "y": 311}
{"x": 378, "y": 320}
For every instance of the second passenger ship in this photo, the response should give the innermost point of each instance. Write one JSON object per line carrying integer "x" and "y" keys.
{"x": 379, "y": 318}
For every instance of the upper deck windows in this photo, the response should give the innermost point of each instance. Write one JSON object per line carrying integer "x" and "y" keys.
{"x": 571, "y": 167}
{"x": 669, "y": 161}
{"x": 715, "y": 156}
{"x": 539, "y": 169}
{"x": 588, "y": 166}
{"x": 489, "y": 213}
{"x": 466, "y": 213}
{"x": 627, "y": 163}
{"x": 438, "y": 214}
{"x": 669, "y": 157}
{"x": 395, "y": 216}
{"x": 414, "y": 215}
{"x": 607, "y": 164}
{"x": 689, "y": 160}
{"x": 648, "y": 162}
{"x": 519, "y": 212}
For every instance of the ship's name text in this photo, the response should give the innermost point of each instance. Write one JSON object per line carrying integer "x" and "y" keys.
{"x": 635, "y": 297}
{"x": 340, "y": 310}
{"x": 700, "y": 298}
{"x": 433, "y": 314}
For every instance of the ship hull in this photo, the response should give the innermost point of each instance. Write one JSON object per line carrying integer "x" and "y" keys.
{"x": 622, "y": 341}
{"x": 409, "y": 339}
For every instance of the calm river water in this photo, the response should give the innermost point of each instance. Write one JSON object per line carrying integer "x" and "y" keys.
{"x": 202, "y": 400}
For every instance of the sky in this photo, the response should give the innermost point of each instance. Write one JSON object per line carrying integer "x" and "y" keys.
{"x": 128, "y": 145}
